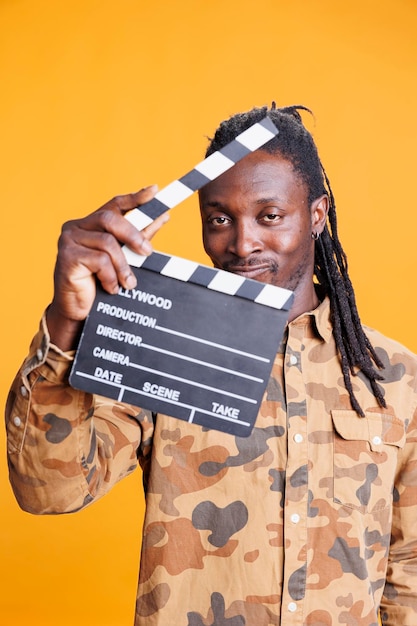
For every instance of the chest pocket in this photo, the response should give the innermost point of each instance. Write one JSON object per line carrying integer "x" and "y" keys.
{"x": 365, "y": 459}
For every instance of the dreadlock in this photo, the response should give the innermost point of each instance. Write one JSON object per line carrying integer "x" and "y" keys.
{"x": 295, "y": 143}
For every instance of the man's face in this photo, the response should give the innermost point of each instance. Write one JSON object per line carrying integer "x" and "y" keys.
{"x": 257, "y": 222}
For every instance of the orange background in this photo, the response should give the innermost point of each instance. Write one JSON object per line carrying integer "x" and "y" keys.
{"x": 102, "y": 97}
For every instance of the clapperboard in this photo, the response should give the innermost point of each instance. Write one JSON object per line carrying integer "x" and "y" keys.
{"x": 190, "y": 341}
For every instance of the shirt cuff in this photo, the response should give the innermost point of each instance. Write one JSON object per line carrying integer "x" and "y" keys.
{"x": 46, "y": 362}
{"x": 50, "y": 361}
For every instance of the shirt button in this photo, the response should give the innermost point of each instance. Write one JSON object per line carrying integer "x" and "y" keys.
{"x": 17, "y": 421}
{"x": 295, "y": 518}
{"x": 23, "y": 391}
{"x": 377, "y": 440}
{"x": 298, "y": 438}
{"x": 39, "y": 354}
{"x": 293, "y": 359}
{"x": 292, "y": 607}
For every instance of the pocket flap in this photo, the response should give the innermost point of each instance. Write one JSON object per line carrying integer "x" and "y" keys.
{"x": 377, "y": 428}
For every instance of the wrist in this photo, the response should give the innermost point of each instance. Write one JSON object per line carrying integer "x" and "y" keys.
{"x": 63, "y": 331}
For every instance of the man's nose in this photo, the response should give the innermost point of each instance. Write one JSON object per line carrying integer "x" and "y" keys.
{"x": 245, "y": 240}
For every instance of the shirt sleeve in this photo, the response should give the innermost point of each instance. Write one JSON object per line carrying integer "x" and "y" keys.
{"x": 65, "y": 447}
{"x": 399, "y": 601}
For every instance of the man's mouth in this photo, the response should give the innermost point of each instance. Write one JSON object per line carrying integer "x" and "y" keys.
{"x": 248, "y": 270}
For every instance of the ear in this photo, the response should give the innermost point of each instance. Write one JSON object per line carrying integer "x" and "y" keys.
{"x": 319, "y": 209}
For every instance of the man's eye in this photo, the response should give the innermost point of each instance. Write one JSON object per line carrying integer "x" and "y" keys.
{"x": 271, "y": 217}
{"x": 218, "y": 221}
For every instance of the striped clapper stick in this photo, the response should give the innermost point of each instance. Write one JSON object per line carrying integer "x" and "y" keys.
{"x": 191, "y": 341}
{"x": 217, "y": 163}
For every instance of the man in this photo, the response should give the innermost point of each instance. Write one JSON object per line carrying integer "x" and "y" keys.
{"x": 310, "y": 520}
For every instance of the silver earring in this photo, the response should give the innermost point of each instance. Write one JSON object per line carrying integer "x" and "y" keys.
{"x": 315, "y": 235}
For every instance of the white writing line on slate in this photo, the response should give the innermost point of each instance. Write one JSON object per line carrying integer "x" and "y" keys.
{"x": 212, "y": 343}
{"x": 198, "y": 362}
{"x": 192, "y": 383}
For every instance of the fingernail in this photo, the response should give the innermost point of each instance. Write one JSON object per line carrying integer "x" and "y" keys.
{"x": 130, "y": 281}
{"x": 146, "y": 247}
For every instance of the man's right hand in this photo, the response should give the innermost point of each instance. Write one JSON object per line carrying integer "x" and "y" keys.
{"x": 90, "y": 249}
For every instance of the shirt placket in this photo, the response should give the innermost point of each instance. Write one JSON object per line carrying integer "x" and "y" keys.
{"x": 296, "y": 488}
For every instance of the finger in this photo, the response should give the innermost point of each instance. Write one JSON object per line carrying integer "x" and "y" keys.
{"x": 107, "y": 219}
{"x": 75, "y": 284}
{"x": 96, "y": 252}
{"x": 127, "y": 202}
{"x": 153, "y": 228}
{"x": 107, "y": 228}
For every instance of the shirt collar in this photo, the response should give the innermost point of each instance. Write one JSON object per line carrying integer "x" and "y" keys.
{"x": 319, "y": 318}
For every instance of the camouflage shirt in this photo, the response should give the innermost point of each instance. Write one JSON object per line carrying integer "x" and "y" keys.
{"x": 310, "y": 520}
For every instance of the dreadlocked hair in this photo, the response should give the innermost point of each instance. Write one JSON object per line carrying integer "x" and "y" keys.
{"x": 295, "y": 143}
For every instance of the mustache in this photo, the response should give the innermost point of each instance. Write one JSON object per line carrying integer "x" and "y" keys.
{"x": 269, "y": 264}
